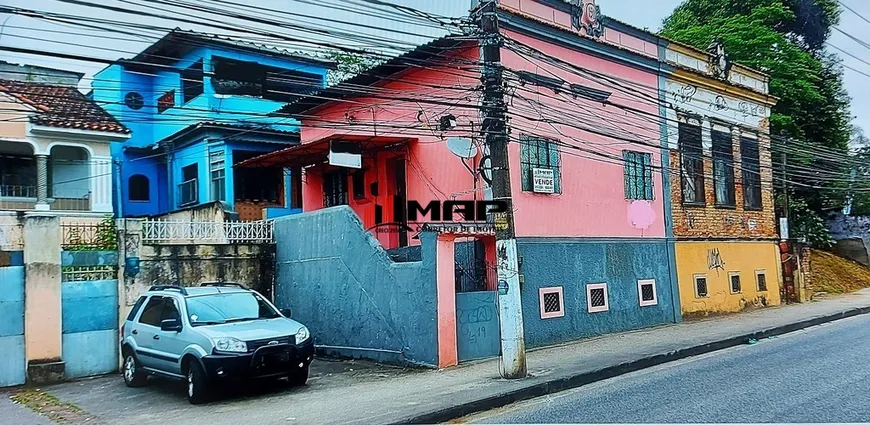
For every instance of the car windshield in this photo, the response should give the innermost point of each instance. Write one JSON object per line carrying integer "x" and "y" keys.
{"x": 225, "y": 308}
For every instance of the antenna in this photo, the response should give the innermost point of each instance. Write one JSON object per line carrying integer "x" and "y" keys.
{"x": 461, "y": 147}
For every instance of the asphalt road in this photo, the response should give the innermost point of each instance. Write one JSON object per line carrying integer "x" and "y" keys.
{"x": 821, "y": 374}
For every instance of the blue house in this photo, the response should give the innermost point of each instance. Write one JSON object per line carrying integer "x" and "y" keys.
{"x": 196, "y": 105}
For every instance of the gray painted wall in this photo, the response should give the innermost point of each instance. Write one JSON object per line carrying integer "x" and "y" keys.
{"x": 357, "y": 302}
{"x": 852, "y": 236}
{"x": 571, "y": 264}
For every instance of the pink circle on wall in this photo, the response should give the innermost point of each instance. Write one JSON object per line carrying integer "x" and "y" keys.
{"x": 641, "y": 214}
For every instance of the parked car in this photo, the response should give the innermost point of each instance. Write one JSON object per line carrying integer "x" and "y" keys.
{"x": 210, "y": 335}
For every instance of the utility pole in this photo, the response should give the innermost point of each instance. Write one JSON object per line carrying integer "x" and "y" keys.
{"x": 510, "y": 312}
{"x": 784, "y": 227}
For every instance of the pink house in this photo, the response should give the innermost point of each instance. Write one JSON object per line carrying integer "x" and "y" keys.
{"x": 585, "y": 157}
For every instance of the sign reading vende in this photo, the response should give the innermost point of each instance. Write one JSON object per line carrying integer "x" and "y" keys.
{"x": 543, "y": 180}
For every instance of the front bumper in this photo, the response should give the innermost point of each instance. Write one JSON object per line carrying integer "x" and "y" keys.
{"x": 264, "y": 362}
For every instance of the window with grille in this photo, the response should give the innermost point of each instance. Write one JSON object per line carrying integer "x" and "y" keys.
{"x": 734, "y": 278}
{"x": 761, "y": 280}
{"x": 335, "y": 189}
{"x": 723, "y": 168}
{"x": 646, "y": 292}
{"x": 700, "y": 285}
{"x": 691, "y": 163}
{"x": 751, "y": 173}
{"x": 637, "y": 175}
{"x": 552, "y": 302}
{"x": 596, "y": 297}
{"x": 538, "y": 152}
{"x": 217, "y": 169}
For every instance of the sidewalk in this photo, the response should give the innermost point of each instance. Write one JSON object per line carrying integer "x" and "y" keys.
{"x": 390, "y": 395}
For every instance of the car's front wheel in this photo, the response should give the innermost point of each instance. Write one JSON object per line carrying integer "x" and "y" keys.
{"x": 197, "y": 384}
{"x": 299, "y": 375}
{"x": 134, "y": 376}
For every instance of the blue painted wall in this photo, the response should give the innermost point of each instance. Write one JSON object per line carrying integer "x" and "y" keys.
{"x": 571, "y": 264}
{"x": 341, "y": 283}
{"x": 90, "y": 327}
{"x": 111, "y": 85}
{"x": 477, "y": 329}
{"x": 13, "y": 365}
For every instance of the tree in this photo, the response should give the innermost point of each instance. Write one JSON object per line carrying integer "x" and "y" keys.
{"x": 349, "y": 65}
{"x": 785, "y": 38}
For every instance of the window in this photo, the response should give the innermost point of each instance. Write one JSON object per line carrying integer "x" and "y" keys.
{"x": 646, "y": 292}
{"x": 139, "y": 188}
{"x": 236, "y": 77}
{"x": 335, "y": 189}
{"x": 537, "y": 152}
{"x": 751, "y": 173}
{"x": 691, "y": 163}
{"x": 136, "y": 308}
{"x": 187, "y": 192}
{"x": 296, "y": 188}
{"x": 170, "y": 310}
{"x": 596, "y": 297}
{"x": 734, "y": 279}
{"x": 152, "y": 312}
{"x": 637, "y": 175}
{"x": 134, "y": 100}
{"x": 723, "y": 168}
{"x": 217, "y": 171}
{"x": 257, "y": 184}
{"x": 700, "y": 285}
{"x": 552, "y": 302}
{"x": 166, "y": 101}
{"x": 761, "y": 280}
{"x": 191, "y": 81}
{"x": 17, "y": 176}
{"x": 218, "y": 308}
{"x": 359, "y": 184}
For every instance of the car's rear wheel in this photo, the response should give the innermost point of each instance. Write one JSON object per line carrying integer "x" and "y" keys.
{"x": 197, "y": 384}
{"x": 134, "y": 376}
{"x": 299, "y": 375}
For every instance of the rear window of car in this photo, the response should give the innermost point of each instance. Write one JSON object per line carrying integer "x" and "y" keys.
{"x": 136, "y": 308}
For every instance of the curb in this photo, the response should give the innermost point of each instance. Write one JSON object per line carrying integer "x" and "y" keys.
{"x": 562, "y": 384}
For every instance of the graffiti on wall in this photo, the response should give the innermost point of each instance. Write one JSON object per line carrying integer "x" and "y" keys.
{"x": 715, "y": 260}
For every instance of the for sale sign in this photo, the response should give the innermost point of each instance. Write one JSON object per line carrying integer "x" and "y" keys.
{"x": 543, "y": 180}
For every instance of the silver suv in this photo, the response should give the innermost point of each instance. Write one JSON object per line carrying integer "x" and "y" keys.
{"x": 212, "y": 334}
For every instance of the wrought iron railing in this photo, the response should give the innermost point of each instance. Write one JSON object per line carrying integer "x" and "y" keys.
{"x": 160, "y": 231}
{"x": 101, "y": 236}
{"x": 89, "y": 273}
{"x": 13, "y": 191}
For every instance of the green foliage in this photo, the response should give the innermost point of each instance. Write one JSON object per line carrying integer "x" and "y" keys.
{"x": 349, "y": 65}
{"x": 808, "y": 224}
{"x": 784, "y": 38}
{"x": 103, "y": 238}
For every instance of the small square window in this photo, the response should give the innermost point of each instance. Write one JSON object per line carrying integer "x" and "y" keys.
{"x": 734, "y": 278}
{"x": 552, "y": 302}
{"x": 596, "y": 297}
{"x": 646, "y": 292}
{"x": 761, "y": 280}
{"x": 700, "y": 285}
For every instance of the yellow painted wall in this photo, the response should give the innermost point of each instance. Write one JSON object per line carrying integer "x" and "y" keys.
{"x": 745, "y": 258}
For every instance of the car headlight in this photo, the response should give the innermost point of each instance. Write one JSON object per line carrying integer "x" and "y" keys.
{"x": 302, "y": 335}
{"x": 231, "y": 345}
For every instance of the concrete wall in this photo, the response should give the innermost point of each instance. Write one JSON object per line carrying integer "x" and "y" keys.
{"x": 620, "y": 264}
{"x": 715, "y": 261}
{"x": 344, "y": 287}
{"x": 13, "y": 365}
{"x": 852, "y": 236}
{"x": 90, "y": 327}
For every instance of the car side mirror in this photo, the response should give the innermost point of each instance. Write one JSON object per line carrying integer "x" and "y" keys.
{"x": 170, "y": 325}
{"x": 285, "y": 312}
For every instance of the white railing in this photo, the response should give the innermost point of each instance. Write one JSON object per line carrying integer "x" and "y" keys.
{"x": 186, "y": 232}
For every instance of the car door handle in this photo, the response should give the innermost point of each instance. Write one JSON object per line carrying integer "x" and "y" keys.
{"x": 135, "y": 332}
{"x": 156, "y": 336}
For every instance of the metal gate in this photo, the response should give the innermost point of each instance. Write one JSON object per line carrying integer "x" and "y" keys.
{"x": 13, "y": 365}
{"x": 471, "y": 268}
{"x": 477, "y": 329}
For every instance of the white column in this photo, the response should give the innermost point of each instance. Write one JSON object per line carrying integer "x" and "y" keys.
{"x": 41, "y": 182}
{"x": 101, "y": 184}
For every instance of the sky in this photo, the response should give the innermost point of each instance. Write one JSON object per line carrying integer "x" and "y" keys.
{"x": 34, "y": 33}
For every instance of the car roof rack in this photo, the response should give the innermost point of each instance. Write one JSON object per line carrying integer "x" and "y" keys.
{"x": 238, "y": 285}
{"x": 169, "y": 287}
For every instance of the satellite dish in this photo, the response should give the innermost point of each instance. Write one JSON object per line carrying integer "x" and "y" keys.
{"x": 461, "y": 147}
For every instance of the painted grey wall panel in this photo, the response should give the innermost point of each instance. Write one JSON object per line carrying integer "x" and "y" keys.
{"x": 12, "y": 362}
{"x": 90, "y": 353}
{"x": 89, "y": 306}
{"x": 572, "y": 265}
{"x": 341, "y": 283}
{"x": 477, "y": 326}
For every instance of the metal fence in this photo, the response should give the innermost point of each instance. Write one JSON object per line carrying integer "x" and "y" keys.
{"x": 160, "y": 231}
{"x": 89, "y": 273}
{"x": 89, "y": 237}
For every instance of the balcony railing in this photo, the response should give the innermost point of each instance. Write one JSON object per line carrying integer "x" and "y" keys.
{"x": 23, "y": 198}
{"x": 187, "y": 232}
{"x": 11, "y": 191}
{"x": 187, "y": 193}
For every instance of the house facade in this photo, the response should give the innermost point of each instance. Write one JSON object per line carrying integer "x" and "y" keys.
{"x": 716, "y": 121}
{"x": 197, "y": 104}
{"x": 55, "y": 150}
